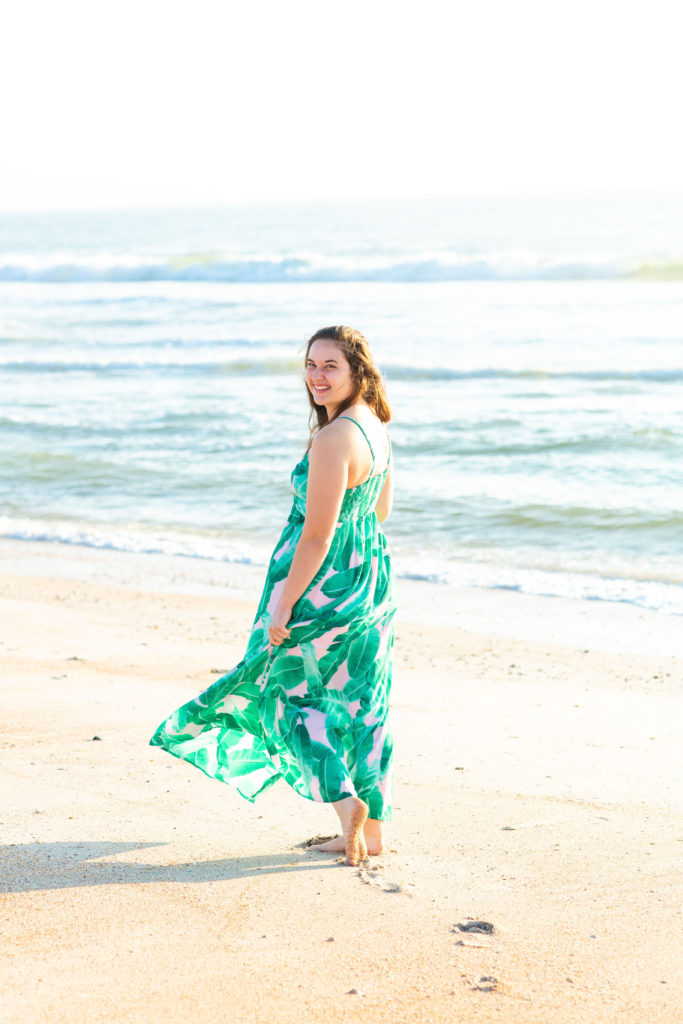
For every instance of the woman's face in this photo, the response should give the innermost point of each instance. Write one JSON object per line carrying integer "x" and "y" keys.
{"x": 328, "y": 374}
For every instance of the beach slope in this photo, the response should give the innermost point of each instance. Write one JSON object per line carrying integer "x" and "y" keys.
{"x": 535, "y": 793}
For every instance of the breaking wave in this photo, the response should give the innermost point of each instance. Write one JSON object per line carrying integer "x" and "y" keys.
{"x": 307, "y": 267}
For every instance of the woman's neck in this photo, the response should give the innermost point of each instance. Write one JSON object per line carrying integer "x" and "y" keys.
{"x": 356, "y": 407}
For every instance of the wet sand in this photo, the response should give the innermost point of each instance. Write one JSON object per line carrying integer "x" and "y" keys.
{"x": 537, "y": 791}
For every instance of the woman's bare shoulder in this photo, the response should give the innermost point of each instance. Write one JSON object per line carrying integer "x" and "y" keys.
{"x": 339, "y": 432}
{"x": 330, "y": 446}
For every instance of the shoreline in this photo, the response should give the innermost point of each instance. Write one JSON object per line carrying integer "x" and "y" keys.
{"x": 536, "y": 762}
{"x": 604, "y": 625}
{"x": 631, "y": 586}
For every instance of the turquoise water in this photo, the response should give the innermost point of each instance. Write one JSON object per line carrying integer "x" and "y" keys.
{"x": 151, "y": 395}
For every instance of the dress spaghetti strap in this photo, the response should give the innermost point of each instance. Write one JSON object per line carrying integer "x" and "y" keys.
{"x": 372, "y": 450}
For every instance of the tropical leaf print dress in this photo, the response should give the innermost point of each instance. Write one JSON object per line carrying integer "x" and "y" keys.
{"x": 315, "y": 710}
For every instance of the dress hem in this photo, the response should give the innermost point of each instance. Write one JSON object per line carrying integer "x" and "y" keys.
{"x": 266, "y": 785}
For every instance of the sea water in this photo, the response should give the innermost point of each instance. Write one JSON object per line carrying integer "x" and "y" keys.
{"x": 151, "y": 394}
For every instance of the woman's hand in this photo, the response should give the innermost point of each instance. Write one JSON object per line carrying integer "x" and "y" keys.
{"x": 277, "y": 631}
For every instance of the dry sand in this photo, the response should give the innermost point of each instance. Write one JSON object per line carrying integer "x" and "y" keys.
{"x": 538, "y": 789}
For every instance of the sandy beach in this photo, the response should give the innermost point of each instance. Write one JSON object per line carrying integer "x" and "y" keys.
{"x": 537, "y": 790}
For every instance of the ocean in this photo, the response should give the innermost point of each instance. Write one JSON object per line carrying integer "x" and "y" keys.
{"x": 151, "y": 394}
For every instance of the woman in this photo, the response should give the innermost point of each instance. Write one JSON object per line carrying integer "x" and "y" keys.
{"x": 309, "y": 701}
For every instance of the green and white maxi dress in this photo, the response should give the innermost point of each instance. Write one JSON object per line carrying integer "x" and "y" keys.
{"x": 315, "y": 710}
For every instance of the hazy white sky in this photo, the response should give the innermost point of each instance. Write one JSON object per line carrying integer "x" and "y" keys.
{"x": 128, "y": 103}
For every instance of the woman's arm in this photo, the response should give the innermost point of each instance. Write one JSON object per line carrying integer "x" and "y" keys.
{"x": 328, "y": 474}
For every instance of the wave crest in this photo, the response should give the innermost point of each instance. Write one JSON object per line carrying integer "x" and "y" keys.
{"x": 309, "y": 267}
{"x": 279, "y": 366}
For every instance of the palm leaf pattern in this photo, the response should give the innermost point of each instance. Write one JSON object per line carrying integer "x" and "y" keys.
{"x": 314, "y": 711}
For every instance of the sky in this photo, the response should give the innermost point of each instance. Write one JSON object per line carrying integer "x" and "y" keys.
{"x": 107, "y": 105}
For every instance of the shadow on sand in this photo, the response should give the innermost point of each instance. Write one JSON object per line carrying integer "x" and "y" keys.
{"x": 31, "y": 867}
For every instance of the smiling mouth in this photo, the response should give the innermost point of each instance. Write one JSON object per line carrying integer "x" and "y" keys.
{"x": 320, "y": 389}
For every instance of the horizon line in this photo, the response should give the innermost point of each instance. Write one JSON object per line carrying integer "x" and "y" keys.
{"x": 602, "y": 194}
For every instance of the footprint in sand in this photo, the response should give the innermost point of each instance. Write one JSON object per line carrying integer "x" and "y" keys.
{"x": 371, "y": 874}
{"x": 478, "y": 927}
{"x": 315, "y": 841}
{"x": 487, "y": 983}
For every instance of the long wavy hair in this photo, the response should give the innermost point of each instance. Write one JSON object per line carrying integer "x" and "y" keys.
{"x": 367, "y": 379}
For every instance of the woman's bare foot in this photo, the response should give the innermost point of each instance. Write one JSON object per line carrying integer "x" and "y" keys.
{"x": 372, "y": 830}
{"x": 372, "y": 833}
{"x": 335, "y": 845}
{"x": 356, "y": 850}
{"x": 353, "y": 814}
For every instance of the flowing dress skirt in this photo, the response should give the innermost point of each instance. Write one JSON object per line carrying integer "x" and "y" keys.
{"x": 315, "y": 710}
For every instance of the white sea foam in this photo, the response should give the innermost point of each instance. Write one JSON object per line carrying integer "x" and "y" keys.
{"x": 64, "y": 267}
{"x": 133, "y": 539}
{"x": 654, "y": 595}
